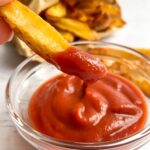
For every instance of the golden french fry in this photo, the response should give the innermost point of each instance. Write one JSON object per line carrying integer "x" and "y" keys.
{"x": 106, "y": 13}
{"x": 101, "y": 22}
{"x": 110, "y": 51}
{"x": 89, "y": 6}
{"x": 78, "y": 28}
{"x": 112, "y": 10}
{"x": 143, "y": 84}
{"x": 124, "y": 54}
{"x": 55, "y": 12}
{"x": 67, "y": 35}
{"x": 33, "y": 30}
{"x": 145, "y": 51}
{"x": 79, "y": 15}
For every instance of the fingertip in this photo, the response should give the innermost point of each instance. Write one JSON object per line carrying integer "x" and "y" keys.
{"x": 5, "y": 32}
{"x": 3, "y": 2}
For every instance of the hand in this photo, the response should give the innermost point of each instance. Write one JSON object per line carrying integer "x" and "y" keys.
{"x": 5, "y": 31}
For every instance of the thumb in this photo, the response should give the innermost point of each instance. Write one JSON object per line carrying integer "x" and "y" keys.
{"x": 5, "y": 32}
{"x": 3, "y": 2}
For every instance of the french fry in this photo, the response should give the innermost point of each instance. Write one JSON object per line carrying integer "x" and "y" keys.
{"x": 67, "y": 35}
{"x": 110, "y": 51}
{"x": 79, "y": 15}
{"x": 33, "y": 30}
{"x": 142, "y": 83}
{"x": 78, "y": 28}
{"x": 123, "y": 54}
{"x": 145, "y": 51}
{"x": 105, "y": 13}
{"x": 55, "y": 12}
{"x": 89, "y": 7}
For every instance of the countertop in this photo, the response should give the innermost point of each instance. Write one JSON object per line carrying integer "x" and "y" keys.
{"x": 136, "y": 33}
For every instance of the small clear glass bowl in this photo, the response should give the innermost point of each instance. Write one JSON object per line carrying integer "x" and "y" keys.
{"x": 31, "y": 74}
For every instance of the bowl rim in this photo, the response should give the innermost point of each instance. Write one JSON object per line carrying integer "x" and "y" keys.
{"x": 67, "y": 144}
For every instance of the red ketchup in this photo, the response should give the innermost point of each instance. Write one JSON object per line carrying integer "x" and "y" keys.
{"x": 69, "y": 108}
{"x": 76, "y": 62}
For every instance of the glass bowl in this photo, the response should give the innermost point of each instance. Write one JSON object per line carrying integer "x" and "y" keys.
{"x": 31, "y": 74}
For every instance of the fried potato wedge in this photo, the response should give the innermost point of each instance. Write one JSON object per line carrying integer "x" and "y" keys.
{"x": 55, "y": 12}
{"x": 34, "y": 31}
{"x": 78, "y": 28}
{"x": 142, "y": 83}
{"x": 79, "y": 15}
{"x": 111, "y": 52}
{"x": 67, "y": 35}
{"x": 106, "y": 13}
{"x": 133, "y": 74}
{"x": 120, "y": 53}
{"x": 89, "y": 6}
{"x": 145, "y": 51}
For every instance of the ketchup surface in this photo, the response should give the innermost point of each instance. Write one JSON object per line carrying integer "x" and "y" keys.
{"x": 73, "y": 61}
{"x": 108, "y": 109}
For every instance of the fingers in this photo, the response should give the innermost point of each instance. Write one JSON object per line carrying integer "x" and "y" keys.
{"x": 3, "y": 2}
{"x": 5, "y": 32}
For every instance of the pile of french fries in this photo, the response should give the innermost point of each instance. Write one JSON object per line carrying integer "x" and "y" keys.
{"x": 80, "y": 19}
{"x": 84, "y": 19}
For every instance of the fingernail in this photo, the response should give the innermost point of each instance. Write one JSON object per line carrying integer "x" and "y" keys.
{"x": 11, "y": 37}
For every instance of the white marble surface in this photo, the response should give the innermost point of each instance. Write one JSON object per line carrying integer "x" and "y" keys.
{"x": 136, "y": 33}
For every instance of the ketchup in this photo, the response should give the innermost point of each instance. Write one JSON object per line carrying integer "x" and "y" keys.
{"x": 105, "y": 110}
{"x": 73, "y": 61}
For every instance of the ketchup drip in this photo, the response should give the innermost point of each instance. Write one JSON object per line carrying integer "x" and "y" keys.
{"x": 76, "y": 62}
